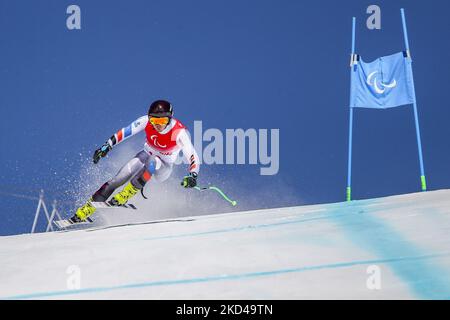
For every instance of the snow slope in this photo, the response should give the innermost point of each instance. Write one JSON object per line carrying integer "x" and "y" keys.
{"x": 319, "y": 251}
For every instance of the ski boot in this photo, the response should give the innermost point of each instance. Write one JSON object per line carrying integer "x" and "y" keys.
{"x": 123, "y": 196}
{"x": 83, "y": 212}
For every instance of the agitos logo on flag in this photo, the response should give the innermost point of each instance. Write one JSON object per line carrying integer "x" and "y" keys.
{"x": 383, "y": 83}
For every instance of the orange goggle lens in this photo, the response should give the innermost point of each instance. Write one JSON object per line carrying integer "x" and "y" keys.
{"x": 160, "y": 121}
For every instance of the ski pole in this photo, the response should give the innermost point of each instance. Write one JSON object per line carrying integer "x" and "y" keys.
{"x": 233, "y": 202}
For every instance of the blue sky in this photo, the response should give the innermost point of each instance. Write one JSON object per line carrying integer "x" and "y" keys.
{"x": 231, "y": 64}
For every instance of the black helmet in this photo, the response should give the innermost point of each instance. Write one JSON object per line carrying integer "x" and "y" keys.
{"x": 160, "y": 108}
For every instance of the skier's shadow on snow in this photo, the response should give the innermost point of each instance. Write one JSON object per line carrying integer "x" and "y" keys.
{"x": 139, "y": 223}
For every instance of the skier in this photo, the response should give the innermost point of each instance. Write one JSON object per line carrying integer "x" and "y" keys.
{"x": 165, "y": 138}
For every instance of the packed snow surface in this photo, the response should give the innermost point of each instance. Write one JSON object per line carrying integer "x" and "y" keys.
{"x": 387, "y": 248}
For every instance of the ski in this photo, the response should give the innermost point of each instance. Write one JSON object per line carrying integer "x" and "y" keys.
{"x": 106, "y": 205}
{"x": 64, "y": 223}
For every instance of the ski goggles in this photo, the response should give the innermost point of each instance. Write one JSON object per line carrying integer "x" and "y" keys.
{"x": 159, "y": 121}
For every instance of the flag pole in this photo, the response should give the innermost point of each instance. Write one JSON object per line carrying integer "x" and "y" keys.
{"x": 350, "y": 131}
{"x": 416, "y": 117}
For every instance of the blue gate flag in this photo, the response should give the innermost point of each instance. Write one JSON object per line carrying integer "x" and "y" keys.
{"x": 384, "y": 83}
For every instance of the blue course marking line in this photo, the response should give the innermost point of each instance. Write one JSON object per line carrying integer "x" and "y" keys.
{"x": 390, "y": 261}
{"x": 322, "y": 215}
{"x": 362, "y": 227}
{"x": 247, "y": 227}
{"x": 329, "y": 213}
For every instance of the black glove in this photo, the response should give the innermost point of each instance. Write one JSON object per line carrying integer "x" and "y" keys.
{"x": 189, "y": 181}
{"x": 101, "y": 152}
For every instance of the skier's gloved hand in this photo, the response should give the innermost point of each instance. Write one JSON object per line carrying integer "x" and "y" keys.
{"x": 189, "y": 181}
{"x": 101, "y": 152}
